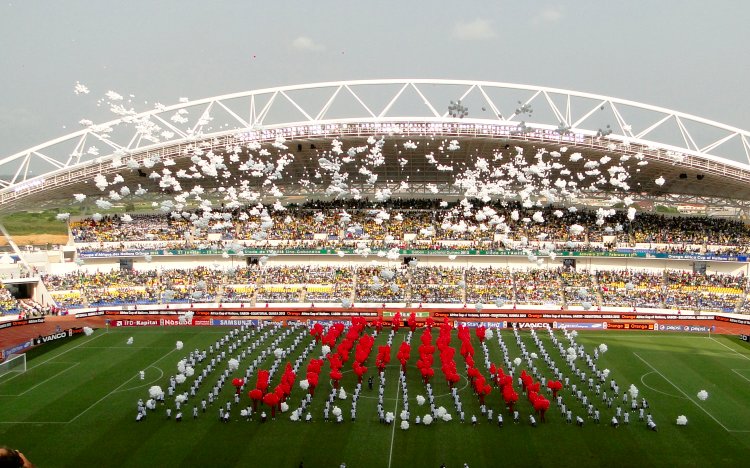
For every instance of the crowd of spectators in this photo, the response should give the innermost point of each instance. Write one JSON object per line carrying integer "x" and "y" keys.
{"x": 239, "y": 294}
{"x": 8, "y": 304}
{"x": 689, "y": 230}
{"x": 380, "y": 285}
{"x": 537, "y": 287}
{"x": 141, "y": 227}
{"x": 279, "y": 293}
{"x": 717, "y": 292}
{"x": 485, "y": 285}
{"x": 396, "y": 223}
{"x": 629, "y": 288}
{"x": 672, "y": 289}
{"x": 578, "y": 287}
{"x": 68, "y": 299}
{"x": 443, "y": 285}
{"x": 417, "y": 284}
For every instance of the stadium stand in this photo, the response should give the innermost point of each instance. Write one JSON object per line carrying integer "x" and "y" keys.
{"x": 429, "y": 284}
{"x": 390, "y": 225}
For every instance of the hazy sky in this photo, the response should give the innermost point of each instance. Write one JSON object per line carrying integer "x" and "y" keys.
{"x": 691, "y": 56}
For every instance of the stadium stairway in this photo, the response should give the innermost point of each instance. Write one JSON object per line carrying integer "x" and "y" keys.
{"x": 18, "y": 252}
{"x": 598, "y": 289}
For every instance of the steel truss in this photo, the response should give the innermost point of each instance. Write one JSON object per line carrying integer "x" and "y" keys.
{"x": 408, "y": 107}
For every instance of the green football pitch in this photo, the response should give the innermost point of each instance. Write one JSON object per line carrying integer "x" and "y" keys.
{"x": 76, "y": 405}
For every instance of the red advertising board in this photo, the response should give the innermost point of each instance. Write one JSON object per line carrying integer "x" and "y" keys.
{"x": 135, "y": 323}
{"x": 629, "y": 326}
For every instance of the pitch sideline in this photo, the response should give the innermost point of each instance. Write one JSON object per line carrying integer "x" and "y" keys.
{"x": 730, "y": 349}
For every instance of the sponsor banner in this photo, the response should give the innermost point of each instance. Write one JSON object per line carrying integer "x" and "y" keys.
{"x": 175, "y": 322}
{"x": 203, "y": 318}
{"x": 529, "y": 324}
{"x": 621, "y": 253}
{"x": 745, "y": 338}
{"x": 141, "y": 312}
{"x": 19, "y": 323}
{"x": 732, "y": 320}
{"x": 244, "y": 313}
{"x": 629, "y": 326}
{"x": 112, "y": 254}
{"x": 663, "y": 317}
{"x": 325, "y": 323}
{"x": 281, "y": 313}
{"x": 57, "y": 335}
{"x": 580, "y": 326}
{"x": 405, "y": 324}
{"x": 17, "y": 348}
{"x": 416, "y": 314}
{"x": 559, "y": 316}
{"x": 135, "y": 323}
{"x": 486, "y": 325}
{"x": 475, "y": 315}
{"x": 233, "y": 322}
{"x": 686, "y": 328}
{"x": 468, "y": 314}
{"x": 90, "y": 314}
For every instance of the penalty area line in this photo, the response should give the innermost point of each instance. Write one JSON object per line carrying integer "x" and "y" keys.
{"x": 54, "y": 357}
{"x": 49, "y": 378}
{"x": 686, "y": 395}
{"x": 655, "y": 390}
{"x": 153, "y": 381}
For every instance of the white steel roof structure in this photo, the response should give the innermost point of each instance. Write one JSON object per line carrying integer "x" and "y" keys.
{"x": 678, "y": 145}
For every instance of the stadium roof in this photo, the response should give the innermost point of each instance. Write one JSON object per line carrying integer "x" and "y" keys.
{"x": 694, "y": 157}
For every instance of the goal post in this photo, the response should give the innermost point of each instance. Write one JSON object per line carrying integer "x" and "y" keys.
{"x": 14, "y": 364}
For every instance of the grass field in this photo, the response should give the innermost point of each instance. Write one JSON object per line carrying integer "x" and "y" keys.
{"x": 76, "y": 406}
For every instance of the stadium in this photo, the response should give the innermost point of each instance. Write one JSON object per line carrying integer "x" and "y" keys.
{"x": 570, "y": 270}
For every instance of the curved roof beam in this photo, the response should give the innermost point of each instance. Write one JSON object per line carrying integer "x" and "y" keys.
{"x": 171, "y": 125}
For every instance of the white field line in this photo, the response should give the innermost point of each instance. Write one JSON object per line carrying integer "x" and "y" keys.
{"x": 395, "y": 421}
{"x": 55, "y": 356}
{"x": 442, "y": 395}
{"x": 655, "y": 390}
{"x": 50, "y": 378}
{"x": 118, "y": 388}
{"x": 148, "y": 384}
{"x": 141, "y": 331}
{"x": 686, "y": 395}
{"x": 33, "y": 422}
{"x": 128, "y": 347}
{"x": 735, "y": 371}
{"x": 731, "y": 349}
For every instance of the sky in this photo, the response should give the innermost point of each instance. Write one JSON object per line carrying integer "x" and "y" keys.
{"x": 686, "y": 55}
